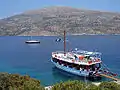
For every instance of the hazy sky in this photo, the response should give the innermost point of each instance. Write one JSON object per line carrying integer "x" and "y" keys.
{"x": 11, "y": 7}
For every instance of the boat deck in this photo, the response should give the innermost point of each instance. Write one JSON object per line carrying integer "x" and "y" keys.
{"x": 75, "y": 58}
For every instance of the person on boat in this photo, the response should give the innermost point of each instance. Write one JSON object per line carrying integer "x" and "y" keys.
{"x": 87, "y": 68}
{"x": 94, "y": 72}
{"x": 83, "y": 69}
{"x": 80, "y": 69}
{"x": 76, "y": 58}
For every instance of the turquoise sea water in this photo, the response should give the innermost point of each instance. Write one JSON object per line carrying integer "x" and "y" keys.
{"x": 18, "y": 57}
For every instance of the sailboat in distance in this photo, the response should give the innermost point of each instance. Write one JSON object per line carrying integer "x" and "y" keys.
{"x": 31, "y": 41}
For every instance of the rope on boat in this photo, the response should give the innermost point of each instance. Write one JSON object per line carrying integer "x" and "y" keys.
{"x": 108, "y": 72}
{"x": 105, "y": 66}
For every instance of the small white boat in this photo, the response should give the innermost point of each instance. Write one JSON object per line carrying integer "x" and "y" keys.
{"x": 32, "y": 41}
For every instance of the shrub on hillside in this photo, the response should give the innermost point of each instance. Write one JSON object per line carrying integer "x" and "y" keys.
{"x": 18, "y": 82}
{"x": 74, "y": 85}
{"x": 78, "y": 85}
{"x": 109, "y": 86}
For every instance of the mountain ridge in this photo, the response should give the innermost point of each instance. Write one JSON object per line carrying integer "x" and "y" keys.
{"x": 53, "y": 20}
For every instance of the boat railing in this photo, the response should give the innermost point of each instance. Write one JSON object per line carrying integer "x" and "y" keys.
{"x": 81, "y": 52}
{"x": 86, "y": 52}
{"x": 71, "y": 56}
{"x": 57, "y": 52}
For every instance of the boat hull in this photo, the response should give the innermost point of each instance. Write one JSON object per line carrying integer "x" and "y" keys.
{"x": 29, "y": 42}
{"x": 71, "y": 70}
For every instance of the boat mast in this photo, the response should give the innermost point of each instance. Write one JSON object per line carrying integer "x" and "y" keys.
{"x": 64, "y": 43}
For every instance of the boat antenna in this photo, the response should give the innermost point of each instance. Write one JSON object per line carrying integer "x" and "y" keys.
{"x": 64, "y": 43}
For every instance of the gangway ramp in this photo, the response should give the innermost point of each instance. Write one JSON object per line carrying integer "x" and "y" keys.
{"x": 111, "y": 77}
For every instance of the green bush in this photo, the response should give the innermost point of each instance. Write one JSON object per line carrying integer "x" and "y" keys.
{"x": 92, "y": 87}
{"x": 71, "y": 85}
{"x": 18, "y": 82}
{"x": 78, "y": 85}
{"x": 109, "y": 86}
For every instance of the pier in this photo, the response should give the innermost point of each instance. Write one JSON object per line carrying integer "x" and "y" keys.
{"x": 117, "y": 80}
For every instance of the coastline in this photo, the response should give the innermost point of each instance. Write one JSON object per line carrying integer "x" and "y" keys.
{"x": 74, "y": 35}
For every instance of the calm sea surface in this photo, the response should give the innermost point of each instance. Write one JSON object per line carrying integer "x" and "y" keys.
{"x": 34, "y": 60}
